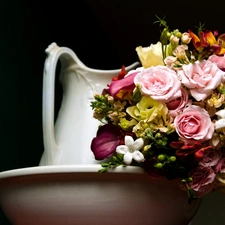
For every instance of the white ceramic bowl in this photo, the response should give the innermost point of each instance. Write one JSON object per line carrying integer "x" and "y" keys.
{"x": 79, "y": 195}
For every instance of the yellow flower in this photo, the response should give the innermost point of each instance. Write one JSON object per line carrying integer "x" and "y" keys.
{"x": 216, "y": 100}
{"x": 150, "y": 56}
{"x": 127, "y": 125}
{"x": 148, "y": 110}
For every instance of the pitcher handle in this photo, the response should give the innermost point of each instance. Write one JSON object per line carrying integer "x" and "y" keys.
{"x": 67, "y": 58}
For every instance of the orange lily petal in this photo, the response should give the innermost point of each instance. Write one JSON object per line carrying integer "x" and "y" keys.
{"x": 210, "y": 37}
{"x": 222, "y": 51}
{"x": 203, "y": 39}
{"x": 195, "y": 40}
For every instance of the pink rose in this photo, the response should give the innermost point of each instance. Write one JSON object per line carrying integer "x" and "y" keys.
{"x": 159, "y": 82}
{"x": 176, "y": 106}
{"x": 202, "y": 180}
{"x": 194, "y": 124}
{"x": 210, "y": 158}
{"x": 201, "y": 77}
{"x": 220, "y": 167}
{"x": 219, "y": 60}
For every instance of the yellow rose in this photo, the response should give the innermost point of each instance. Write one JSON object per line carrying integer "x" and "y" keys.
{"x": 151, "y": 56}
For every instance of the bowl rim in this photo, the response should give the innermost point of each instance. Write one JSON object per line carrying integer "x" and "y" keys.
{"x": 81, "y": 168}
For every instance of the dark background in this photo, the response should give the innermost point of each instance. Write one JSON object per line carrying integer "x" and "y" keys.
{"x": 103, "y": 34}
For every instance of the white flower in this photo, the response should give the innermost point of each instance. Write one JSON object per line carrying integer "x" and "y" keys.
{"x": 131, "y": 150}
{"x": 221, "y": 122}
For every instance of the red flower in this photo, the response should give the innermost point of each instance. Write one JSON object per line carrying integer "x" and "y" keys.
{"x": 184, "y": 150}
{"x": 121, "y": 75}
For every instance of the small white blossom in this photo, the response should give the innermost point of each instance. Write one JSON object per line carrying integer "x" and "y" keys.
{"x": 131, "y": 150}
{"x": 221, "y": 119}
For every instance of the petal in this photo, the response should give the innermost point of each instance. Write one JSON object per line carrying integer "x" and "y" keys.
{"x": 210, "y": 37}
{"x": 220, "y": 124}
{"x": 222, "y": 51}
{"x": 221, "y": 40}
{"x": 127, "y": 158}
{"x": 127, "y": 83}
{"x": 122, "y": 149}
{"x": 203, "y": 39}
{"x": 129, "y": 141}
{"x": 195, "y": 40}
{"x": 215, "y": 141}
{"x": 106, "y": 141}
{"x": 138, "y": 156}
{"x": 137, "y": 145}
{"x": 221, "y": 113}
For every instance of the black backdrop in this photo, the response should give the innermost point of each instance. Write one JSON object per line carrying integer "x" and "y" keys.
{"x": 103, "y": 33}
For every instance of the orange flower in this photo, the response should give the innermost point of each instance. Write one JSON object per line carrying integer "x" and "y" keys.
{"x": 207, "y": 43}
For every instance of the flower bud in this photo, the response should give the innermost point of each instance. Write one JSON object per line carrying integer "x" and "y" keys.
{"x": 172, "y": 158}
{"x": 158, "y": 165}
{"x": 164, "y": 37}
{"x": 168, "y": 35}
{"x": 174, "y": 41}
{"x": 110, "y": 99}
{"x": 147, "y": 147}
{"x": 178, "y": 34}
{"x": 161, "y": 157}
{"x": 186, "y": 38}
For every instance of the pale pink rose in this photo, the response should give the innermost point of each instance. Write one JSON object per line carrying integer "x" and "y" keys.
{"x": 210, "y": 158}
{"x": 177, "y": 105}
{"x": 201, "y": 77}
{"x": 194, "y": 124}
{"x": 202, "y": 180}
{"x": 219, "y": 60}
{"x": 159, "y": 82}
{"x": 220, "y": 167}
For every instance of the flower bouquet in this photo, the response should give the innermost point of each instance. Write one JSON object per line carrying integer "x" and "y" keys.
{"x": 168, "y": 116}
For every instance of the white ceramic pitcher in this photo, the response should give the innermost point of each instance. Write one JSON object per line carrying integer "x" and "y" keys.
{"x": 68, "y": 140}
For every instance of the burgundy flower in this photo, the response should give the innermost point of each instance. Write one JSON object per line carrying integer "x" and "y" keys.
{"x": 106, "y": 141}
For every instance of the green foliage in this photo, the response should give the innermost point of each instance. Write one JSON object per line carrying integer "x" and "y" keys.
{"x": 137, "y": 95}
{"x": 116, "y": 160}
